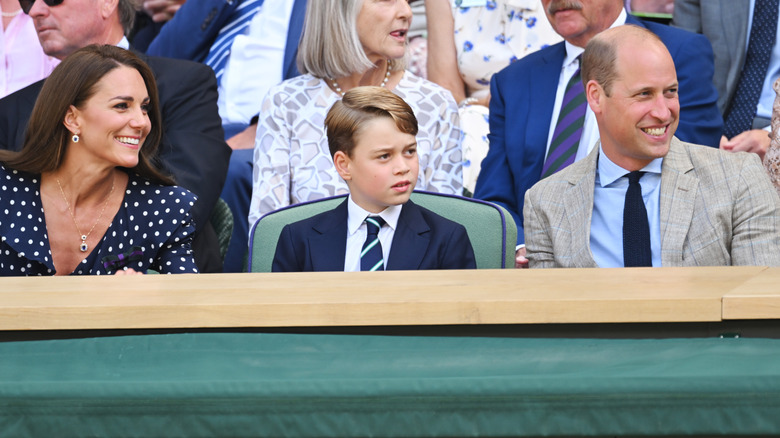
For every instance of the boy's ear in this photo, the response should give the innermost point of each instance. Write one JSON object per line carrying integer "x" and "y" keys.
{"x": 341, "y": 161}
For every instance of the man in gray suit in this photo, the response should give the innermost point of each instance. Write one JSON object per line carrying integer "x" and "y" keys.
{"x": 699, "y": 206}
{"x": 744, "y": 35}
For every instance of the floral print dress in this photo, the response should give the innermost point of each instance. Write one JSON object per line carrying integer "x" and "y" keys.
{"x": 489, "y": 35}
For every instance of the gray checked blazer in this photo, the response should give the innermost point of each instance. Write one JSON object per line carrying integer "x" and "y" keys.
{"x": 717, "y": 208}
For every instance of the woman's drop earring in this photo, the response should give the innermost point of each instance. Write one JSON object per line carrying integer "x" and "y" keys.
{"x": 75, "y": 138}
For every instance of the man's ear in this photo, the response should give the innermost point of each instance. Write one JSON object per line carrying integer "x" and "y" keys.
{"x": 107, "y": 7}
{"x": 342, "y": 162}
{"x": 594, "y": 93}
{"x": 72, "y": 120}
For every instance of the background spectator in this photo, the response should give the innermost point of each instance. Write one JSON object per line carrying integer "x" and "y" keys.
{"x": 22, "y": 60}
{"x": 470, "y": 42}
{"x": 745, "y": 38}
{"x": 772, "y": 158}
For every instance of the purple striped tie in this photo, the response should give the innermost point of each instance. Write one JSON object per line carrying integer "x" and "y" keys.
{"x": 568, "y": 129}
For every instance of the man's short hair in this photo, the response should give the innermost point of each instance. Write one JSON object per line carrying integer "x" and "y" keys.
{"x": 349, "y": 115}
{"x": 127, "y": 10}
{"x": 600, "y": 56}
{"x": 330, "y": 46}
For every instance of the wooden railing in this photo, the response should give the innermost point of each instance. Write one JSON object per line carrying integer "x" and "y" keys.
{"x": 391, "y": 298}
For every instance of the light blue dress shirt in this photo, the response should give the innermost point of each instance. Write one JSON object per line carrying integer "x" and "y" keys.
{"x": 609, "y": 197}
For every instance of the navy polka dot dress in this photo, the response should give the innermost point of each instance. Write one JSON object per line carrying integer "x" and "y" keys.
{"x": 152, "y": 230}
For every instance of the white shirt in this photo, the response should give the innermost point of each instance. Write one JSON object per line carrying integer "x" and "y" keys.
{"x": 357, "y": 230}
{"x": 590, "y": 130}
{"x": 256, "y": 63}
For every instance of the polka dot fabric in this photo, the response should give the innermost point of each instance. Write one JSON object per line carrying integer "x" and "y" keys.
{"x": 152, "y": 217}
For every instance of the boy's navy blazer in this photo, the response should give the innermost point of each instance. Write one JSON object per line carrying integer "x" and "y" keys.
{"x": 422, "y": 240}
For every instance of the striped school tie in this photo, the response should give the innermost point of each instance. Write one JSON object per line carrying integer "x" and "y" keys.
{"x": 568, "y": 129}
{"x": 371, "y": 258}
{"x": 238, "y": 23}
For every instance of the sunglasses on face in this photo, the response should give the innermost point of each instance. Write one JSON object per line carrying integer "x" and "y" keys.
{"x": 28, "y": 4}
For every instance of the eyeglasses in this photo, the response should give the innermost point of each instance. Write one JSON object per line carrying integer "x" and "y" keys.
{"x": 28, "y": 4}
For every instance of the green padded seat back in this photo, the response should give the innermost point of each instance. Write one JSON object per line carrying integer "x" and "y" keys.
{"x": 222, "y": 220}
{"x": 490, "y": 227}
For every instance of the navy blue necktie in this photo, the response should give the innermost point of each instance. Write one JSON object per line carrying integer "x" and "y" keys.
{"x": 371, "y": 258}
{"x": 238, "y": 23}
{"x": 636, "y": 229}
{"x": 763, "y": 31}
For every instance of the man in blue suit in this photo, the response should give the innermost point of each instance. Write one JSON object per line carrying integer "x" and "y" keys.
{"x": 526, "y": 100}
{"x": 192, "y": 34}
{"x": 371, "y": 136}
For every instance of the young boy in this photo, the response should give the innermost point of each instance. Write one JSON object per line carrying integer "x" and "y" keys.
{"x": 371, "y": 136}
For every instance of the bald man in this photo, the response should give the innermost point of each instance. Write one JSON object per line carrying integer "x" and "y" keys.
{"x": 642, "y": 197}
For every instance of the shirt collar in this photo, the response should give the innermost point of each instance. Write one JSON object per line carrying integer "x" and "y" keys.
{"x": 609, "y": 172}
{"x": 124, "y": 43}
{"x": 572, "y": 51}
{"x": 356, "y": 215}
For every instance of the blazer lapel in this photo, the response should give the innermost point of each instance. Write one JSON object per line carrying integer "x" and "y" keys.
{"x": 328, "y": 244}
{"x": 678, "y": 195}
{"x": 578, "y": 209}
{"x": 410, "y": 241}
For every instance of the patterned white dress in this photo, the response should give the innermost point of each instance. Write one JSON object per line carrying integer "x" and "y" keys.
{"x": 772, "y": 157}
{"x": 292, "y": 163}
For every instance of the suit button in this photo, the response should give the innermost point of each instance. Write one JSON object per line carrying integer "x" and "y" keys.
{"x": 208, "y": 19}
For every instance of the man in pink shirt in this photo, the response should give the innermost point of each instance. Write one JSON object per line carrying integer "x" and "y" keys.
{"x": 23, "y": 60}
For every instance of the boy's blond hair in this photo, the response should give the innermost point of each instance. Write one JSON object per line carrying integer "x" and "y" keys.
{"x": 348, "y": 116}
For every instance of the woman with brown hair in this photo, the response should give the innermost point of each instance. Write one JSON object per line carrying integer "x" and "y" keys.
{"x": 83, "y": 196}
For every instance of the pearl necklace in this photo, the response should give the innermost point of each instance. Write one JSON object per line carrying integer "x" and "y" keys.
{"x": 12, "y": 14}
{"x": 383, "y": 84}
{"x": 83, "y": 247}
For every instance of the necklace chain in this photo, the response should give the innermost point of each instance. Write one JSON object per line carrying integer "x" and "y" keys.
{"x": 83, "y": 247}
{"x": 383, "y": 84}
{"x": 12, "y": 14}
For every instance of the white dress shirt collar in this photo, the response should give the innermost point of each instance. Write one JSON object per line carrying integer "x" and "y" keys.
{"x": 124, "y": 43}
{"x": 356, "y": 215}
{"x": 609, "y": 172}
